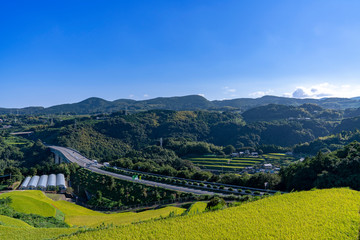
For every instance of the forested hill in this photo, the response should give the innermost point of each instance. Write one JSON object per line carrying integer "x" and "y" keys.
{"x": 119, "y": 133}
{"x": 273, "y": 112}
{"x": 340, "y": 168}
{"x": 191, "y": 102}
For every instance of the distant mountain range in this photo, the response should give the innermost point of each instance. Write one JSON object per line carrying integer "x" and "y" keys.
{"x": 191, "y": 102}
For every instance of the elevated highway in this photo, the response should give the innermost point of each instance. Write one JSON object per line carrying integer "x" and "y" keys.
{"x": 71, "y": 155}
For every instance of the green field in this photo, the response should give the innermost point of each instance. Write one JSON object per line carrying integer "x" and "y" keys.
{"x": 225, "y": 164}
{"x": 320, "y": 214}
{"x": 15, "y": 140}
{"x": 197, "y": 207}
{"x": 238, "y": 163}
{"x": 36, "y": 202}
{"x": 12, "y": 222}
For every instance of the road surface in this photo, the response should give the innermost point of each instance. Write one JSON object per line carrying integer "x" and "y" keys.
{"x": 76, "y": 157}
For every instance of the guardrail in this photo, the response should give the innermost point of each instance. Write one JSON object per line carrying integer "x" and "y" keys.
{"x": 268, "y": 191}
{"x": 198, "y": 181}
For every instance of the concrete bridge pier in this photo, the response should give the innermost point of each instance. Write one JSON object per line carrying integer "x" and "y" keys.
{"x": 59, "y": 158}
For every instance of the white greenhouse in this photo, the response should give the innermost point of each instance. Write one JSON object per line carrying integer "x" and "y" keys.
{"x": 51, "y": 184}
{"x": 60, "y": 181}
{"x": 25, "y": 183}
{"x": 33, "y": 182}
{"x": 42, "y": 182}
{"x": 45, "y": 182}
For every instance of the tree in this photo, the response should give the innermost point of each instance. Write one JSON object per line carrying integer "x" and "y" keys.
{"x": 215, "y": 204}
{"x": 69, "y": 190}
{"x": 229, "y": 149}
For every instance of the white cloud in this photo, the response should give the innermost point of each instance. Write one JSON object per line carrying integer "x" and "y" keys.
{"x": 228, "y": 90}
{"x": 146, "y": 95}
{"x": 131, "y": 95}
{"x": 201, "y": 94}
{"x": 261, "y": 93}
{"x": 324, "y": 90}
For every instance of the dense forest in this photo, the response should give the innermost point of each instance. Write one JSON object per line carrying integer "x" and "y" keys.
{"x": 340, "y": 168}
{"x": 119, "y": 133}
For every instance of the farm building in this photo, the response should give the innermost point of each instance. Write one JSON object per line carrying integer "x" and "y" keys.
{"x": 25, "y": 183}
{"x": 42, "y": 182}
{"x": 33, "y": 182}
{"x": 45, "y": 182}
{"x": 51, "y": 184}
{"x": 60, "y": 181}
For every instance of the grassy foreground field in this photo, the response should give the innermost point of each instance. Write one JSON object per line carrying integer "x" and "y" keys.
{"x": 36, "y": 202}
{"x": 320, "y": 214}
{"x": 197, "y": 207}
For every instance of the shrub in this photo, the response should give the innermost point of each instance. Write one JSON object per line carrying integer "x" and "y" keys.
{"x": 247, "y": 191}
{"x": 215, "y": 204}
{"x": 230, "y": 189}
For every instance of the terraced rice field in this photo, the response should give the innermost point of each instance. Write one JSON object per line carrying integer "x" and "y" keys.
{"x": 320, "y": 214}
{"x": 226, "y": 164}
{"x": 236, "y": 164}
{"x": 36, "y": 202}
{"x": 12, "y": 222}
{"x": 276, "y": 156}
{"x": 197, "y": 207}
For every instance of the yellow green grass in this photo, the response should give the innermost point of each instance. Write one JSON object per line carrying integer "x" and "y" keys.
{"x": 17, "y": 233}
{"x": 220, "y": 166}
{"x": 12, "y": 222}
{"x": 26, "y": 204}
{"x": 227, "y": 164}
{"x": 75, "y": 215}
{"x": 197, "y": 207}
{"x": 122, "y": 218}
{"x": 320, "y": 214}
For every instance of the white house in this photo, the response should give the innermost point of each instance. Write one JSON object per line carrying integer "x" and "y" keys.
{"x": 268, "y": 165}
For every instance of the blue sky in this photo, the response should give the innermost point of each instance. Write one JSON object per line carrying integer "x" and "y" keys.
{"x": 54, "y": 52}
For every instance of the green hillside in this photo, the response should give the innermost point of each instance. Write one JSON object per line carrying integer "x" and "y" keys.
{"x": 34, "y": 201}
{"x": 320, "y": 214}
{"x": 75, "y": 216}
{"x": 12, "y": 222}
{"x": 191, "y": 102}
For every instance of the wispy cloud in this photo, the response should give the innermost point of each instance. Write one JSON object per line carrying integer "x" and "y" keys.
{"x": 228, "y": 90}
{"x": 261, "y": 93}
{"x": 325, "y": 89}
{"x": 231, "y": 92}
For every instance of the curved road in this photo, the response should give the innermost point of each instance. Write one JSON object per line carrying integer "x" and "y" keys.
{"x": 76, "y": 157}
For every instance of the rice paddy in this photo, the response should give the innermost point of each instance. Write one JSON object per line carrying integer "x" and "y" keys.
{"x": 320, "y": 214}
{"x": 225, "y": 164}
{"x": 236, "y": 164}
{"x": 37, "y": 202}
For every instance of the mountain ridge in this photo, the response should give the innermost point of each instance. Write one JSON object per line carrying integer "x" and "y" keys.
{"x": 94, "y": 105}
